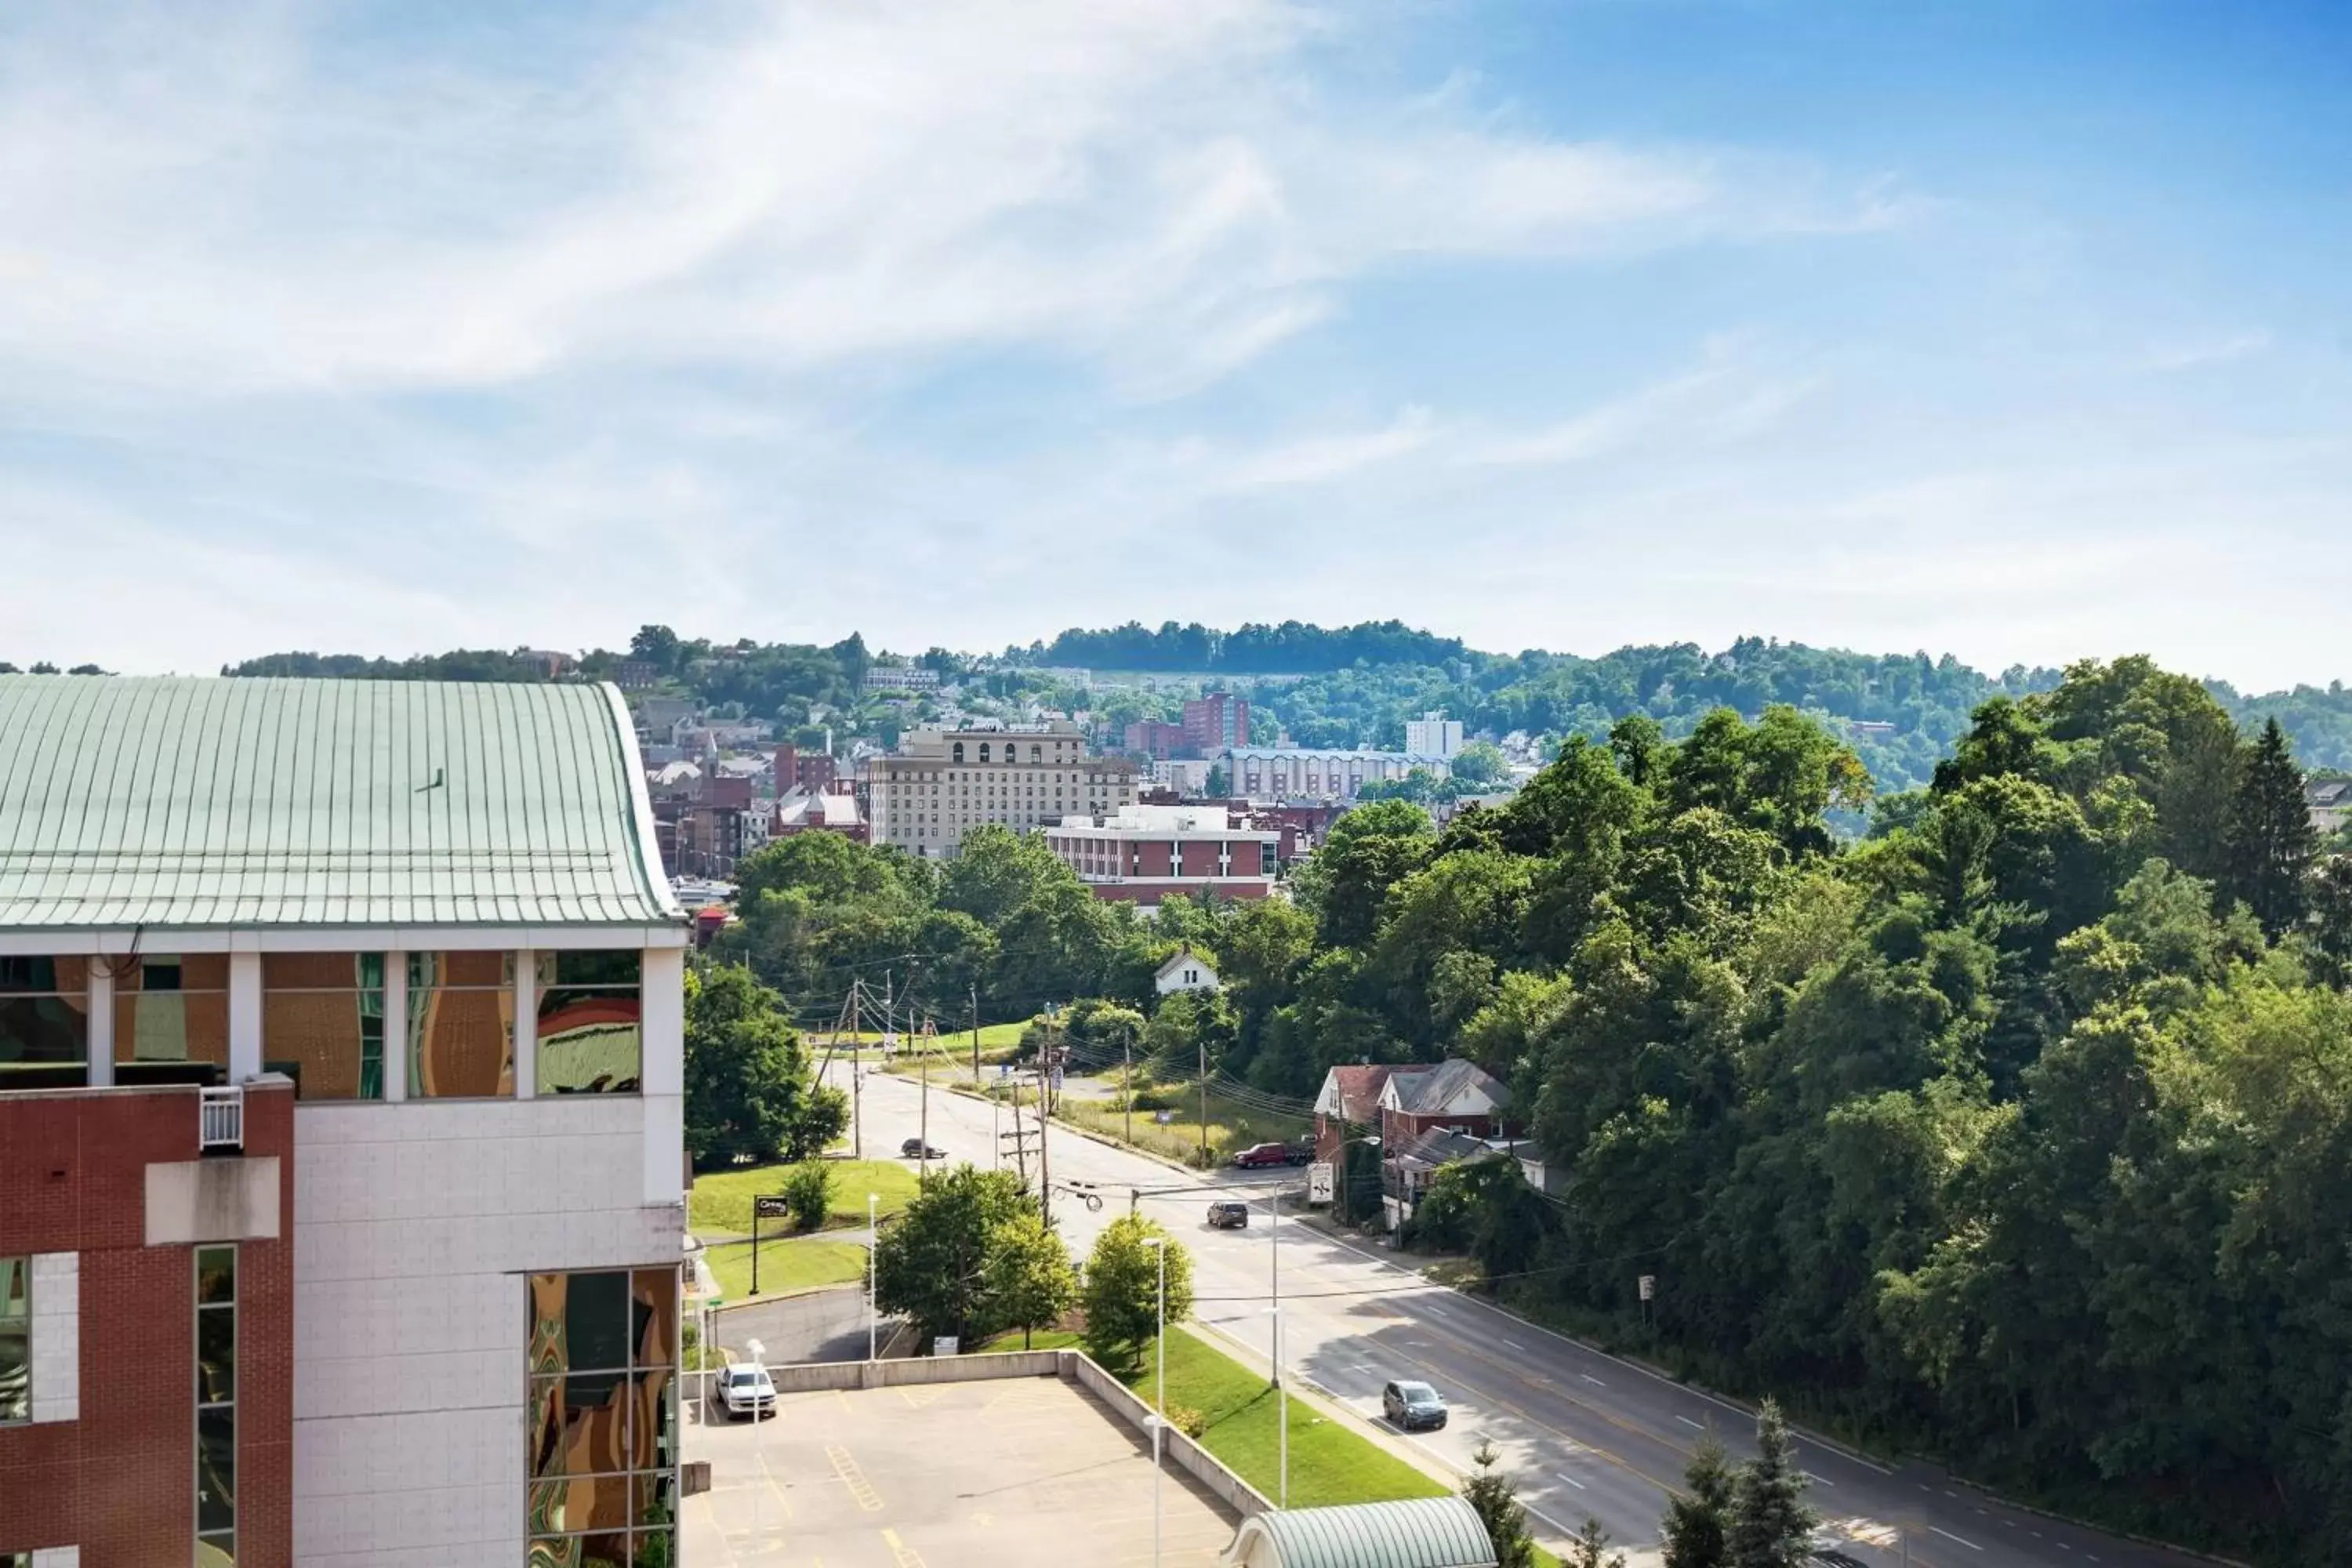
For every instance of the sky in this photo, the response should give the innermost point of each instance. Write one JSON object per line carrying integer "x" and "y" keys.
{"x": 2014, "y": 331}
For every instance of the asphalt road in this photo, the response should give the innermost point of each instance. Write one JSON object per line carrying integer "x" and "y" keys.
{"x": 1586, "y": 1434}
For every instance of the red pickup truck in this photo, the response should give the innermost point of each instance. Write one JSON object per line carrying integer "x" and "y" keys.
{"x": 1261, "y": 1154}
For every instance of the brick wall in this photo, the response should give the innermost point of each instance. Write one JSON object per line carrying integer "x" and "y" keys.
{"x": 120, "y": 1481}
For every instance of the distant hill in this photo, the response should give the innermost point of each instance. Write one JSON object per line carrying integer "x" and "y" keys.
{"x": 1355, "y": 686}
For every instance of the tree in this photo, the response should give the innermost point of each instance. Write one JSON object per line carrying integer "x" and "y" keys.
{"x": 657, "y": 646}
{"x": 1772, "y": 1525}
{"x": 1495, "y": 1494}
{"x": 1029, "y": 1278}
{"x": 1121, "y": 1290}
{"x": 2272, "y": 843}
{"x": 750, "y": 1090}
{"x": 931, "y": 1265}
{"x": 808, "y": 1193}
{"x": 1590, "y": 1549}
{"x": 1479, "y": 762}
{"x": 1696, "y": 1529}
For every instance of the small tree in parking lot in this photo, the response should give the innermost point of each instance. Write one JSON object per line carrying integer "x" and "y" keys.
{"x": 1030, "y": 1281}
{"x": 1121, "y": 1293}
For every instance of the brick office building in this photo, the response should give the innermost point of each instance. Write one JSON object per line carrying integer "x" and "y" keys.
{"x": 1142, "y": 854}
{"x": 342, "y": 1072}
{"x": 146, "y": 1281}
{"x": 1215, "y": 724}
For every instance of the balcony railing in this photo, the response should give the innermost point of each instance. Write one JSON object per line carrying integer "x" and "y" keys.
{"x": 220, "y": 1118}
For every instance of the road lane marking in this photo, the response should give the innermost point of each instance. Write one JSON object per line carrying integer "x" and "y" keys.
{"x": 1825, "y": 1482}
{"x": 1571, "y": 1480}
{"x": 906, "y": 1555}
{"x": 1592, "y": 1380}
{"x": 1689, "y": 1423}
{"x": 860, "y": 1491}
{"x": 1517, "y": 1346}
{"x": 1947, "y": 1535}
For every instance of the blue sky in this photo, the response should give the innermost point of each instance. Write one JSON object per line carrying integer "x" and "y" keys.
{"x": 2015, "y": 330}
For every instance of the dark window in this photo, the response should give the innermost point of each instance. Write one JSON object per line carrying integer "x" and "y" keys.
{"x": 216, "y": 1404}
{"x": 44, "y": 1023}
{"x": 602, "y": 1454}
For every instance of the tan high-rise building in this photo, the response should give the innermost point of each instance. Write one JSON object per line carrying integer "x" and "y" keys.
{"x": 939, "y": 783}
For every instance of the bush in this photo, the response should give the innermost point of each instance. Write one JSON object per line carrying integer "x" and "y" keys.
{"x": 1187, "y": 1420}
{"x": 808, "y": 1193}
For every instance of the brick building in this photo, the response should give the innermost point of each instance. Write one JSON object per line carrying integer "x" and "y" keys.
{"x": 341, "y": 1116}
{"x": 809, "y": 771}
{"x": 1215, "y": 724}
{"x": 940, "y": 784}
{"x": 1154, "y": 739}
{"x": 1141, "y": 854}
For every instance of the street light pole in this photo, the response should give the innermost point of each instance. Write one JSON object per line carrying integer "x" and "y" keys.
{"x": 1282, "y": 1406}
{"x": 1159, "y": 1425}
{"x": 873, "y": 1250}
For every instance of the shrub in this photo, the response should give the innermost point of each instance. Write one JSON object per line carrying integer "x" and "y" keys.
{"x": 808, "y": 1193}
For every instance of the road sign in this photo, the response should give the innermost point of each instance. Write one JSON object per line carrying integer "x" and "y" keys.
{"x": 945, "y": 1344}
{"x": 1649, "y": 1283}
{"x": 1319, "y": 1182}
{"x": 771, "y": 1205}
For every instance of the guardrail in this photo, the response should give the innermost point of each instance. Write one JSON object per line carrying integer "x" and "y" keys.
{"x": 220, "y": 1118}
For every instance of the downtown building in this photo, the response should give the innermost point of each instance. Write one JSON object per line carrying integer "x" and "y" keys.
{"x": 940, "y": 784}
{"x": 1303, "y": 772}
{"x": 1142, "y": 854}
{"x": 340, "y": 1128}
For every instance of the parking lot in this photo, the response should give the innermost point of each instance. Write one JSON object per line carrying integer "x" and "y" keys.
{"x": 970, "y": 1475}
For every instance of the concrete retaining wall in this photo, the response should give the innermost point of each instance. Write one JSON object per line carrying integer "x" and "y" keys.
{"x": 1189, "y": 1456}
{"x": 810, "y": 1376}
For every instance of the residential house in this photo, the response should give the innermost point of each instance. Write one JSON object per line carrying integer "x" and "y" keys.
{"x": 2329, "y": 800}
{"x": 1186, "y": 970}
{"x": 1424, "y": 1115}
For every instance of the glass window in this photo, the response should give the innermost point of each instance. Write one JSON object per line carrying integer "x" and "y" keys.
{"x": 603, "y": 1455}
{"x": 15, "y": 1338}
{"x": 171, "y": 1019}
{"x": 44, "y": 1023}
{"x": 322, "y": 1023}
{"x": 460, "y": 1026}
{"x": 216, "y": 1405}
{"x": 590, "y": 1022}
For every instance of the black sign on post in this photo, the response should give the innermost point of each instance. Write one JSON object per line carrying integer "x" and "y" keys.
{"x": 764, "y": 1205}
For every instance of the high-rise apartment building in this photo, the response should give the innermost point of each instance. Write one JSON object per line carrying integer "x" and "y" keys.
{"x": 1433, "y": 735}
{"x": 341, "y": 1044}
{"x": 1216, "y": 722}
{"x": 939, "y": 784}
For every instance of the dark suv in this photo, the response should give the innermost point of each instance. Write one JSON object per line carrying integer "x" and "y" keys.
{"x": 1413, "y": 1406}
{"x": 1229, "y": 1215}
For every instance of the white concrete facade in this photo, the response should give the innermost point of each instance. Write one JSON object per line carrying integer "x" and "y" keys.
{"x": 57, "y": 1336}
{"x": 416, "y": 1226}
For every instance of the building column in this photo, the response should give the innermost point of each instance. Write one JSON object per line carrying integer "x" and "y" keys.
{"x": 661, "y": 1047}
{"x": 243, "y": 1017}
{"x": 395, "y": 1026}
{"x": 526, "y": 1024}
{"x": 101, "y": 1005}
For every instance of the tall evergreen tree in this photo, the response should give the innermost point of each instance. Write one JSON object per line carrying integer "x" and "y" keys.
{"x": 2271, "y": 842}
{"x": 1772, "y": 1525}
{"x": 1590, "y": 1549}
{"x": 1698, "y": 1527}
{"x": 1495, "y": 1494}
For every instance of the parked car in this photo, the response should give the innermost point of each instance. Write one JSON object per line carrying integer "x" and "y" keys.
{"x": 916, "y": 1149}
{"x": 1413, "y": 1406}
{"x": 1260, "y": 1154}
{"x": 1229, "y": 1214}
{"x": 747, "y": 1390}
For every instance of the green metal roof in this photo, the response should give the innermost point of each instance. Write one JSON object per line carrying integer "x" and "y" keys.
{"x": 1420, "y": 1532}
{"x": 190, "y": 803}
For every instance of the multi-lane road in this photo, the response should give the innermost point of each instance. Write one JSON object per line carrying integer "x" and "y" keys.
{"x": 1586, "y": 1434}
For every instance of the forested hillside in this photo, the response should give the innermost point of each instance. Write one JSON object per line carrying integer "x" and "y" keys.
{"x": 1356, "y": 686}
{"x": 2020, "y": 1133}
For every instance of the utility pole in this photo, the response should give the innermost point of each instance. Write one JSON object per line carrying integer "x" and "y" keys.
{"x": 856, "y": 1072}
{"x": 1204, "y": 1103}
{"x": 1020, "y": 1135}
{"x": 1127, "y": 1083}
{"x": 1044, "y": 1161}
{"x": 923, "y": 1125}
{"x": 975, "y": 1036}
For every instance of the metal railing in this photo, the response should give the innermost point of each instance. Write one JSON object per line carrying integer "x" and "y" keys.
{"x": 220, "y": 1118}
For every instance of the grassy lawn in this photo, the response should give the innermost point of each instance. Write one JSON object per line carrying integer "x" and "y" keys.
{"x": 721, "y": 1201}
{"x": 799, "y": 1263}
{"x": 1232, "y": 1127}
{"x": 1330, "y": 1463}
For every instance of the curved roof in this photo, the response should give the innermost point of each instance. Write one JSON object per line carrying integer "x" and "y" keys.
{"x": 1420, "y": 1532}
{"x": 193, "y": 803}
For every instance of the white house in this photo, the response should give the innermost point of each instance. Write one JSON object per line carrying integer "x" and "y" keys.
{"x": 1186, "y": 970}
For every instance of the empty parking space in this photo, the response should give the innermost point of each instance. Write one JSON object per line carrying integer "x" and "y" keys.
{"x": 967, "y": 1474}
